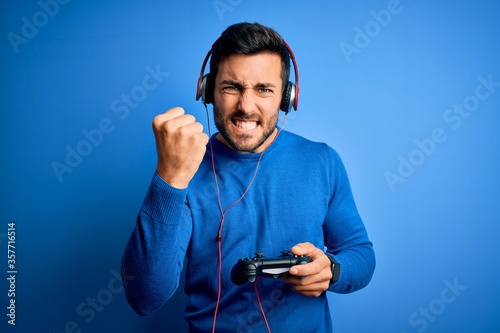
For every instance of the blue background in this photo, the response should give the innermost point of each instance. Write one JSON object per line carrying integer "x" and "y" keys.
{"x": 373, "y": 86}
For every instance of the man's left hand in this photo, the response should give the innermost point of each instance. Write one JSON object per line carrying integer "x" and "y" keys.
{"x": 313, "y": 278}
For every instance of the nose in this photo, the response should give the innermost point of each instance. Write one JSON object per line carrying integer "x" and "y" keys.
{"x": 247, "y": 101}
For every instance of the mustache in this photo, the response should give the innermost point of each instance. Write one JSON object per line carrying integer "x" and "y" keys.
{"x": 240, "y": 115}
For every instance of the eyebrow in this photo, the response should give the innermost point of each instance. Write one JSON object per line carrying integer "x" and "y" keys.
{"x": 258, "y": 85}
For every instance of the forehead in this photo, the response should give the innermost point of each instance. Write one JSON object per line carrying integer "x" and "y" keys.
{"x": 260, "y": 67}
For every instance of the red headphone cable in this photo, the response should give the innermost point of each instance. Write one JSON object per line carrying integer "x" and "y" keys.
{"x": 223, "y": 214}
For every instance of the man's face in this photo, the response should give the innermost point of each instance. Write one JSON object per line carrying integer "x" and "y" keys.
{"x": 247, "y": 97}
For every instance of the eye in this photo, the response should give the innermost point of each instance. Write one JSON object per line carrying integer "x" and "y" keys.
{"x": 230, "y": 89}
{"x": 264, "y": 90}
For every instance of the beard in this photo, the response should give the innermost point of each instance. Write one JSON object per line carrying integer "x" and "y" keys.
{"x": 244, "y": 143}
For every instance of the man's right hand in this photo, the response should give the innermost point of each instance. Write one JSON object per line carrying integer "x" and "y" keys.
{"x": 181, "y": 145}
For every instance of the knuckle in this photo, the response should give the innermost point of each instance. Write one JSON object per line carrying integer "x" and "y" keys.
{"x": 189, "y": 118}
{"x": 183, "y": 131}
{"x": 175, "y": 112}
{"x": 203, "y": 139}
{"x": 175, "y": 126}
{"x": 168, "y": 126}
{"x": 199, "y": 127}
{"x": 157, "y": 121}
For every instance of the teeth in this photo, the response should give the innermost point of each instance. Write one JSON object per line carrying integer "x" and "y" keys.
{"x": 246, "y": 125}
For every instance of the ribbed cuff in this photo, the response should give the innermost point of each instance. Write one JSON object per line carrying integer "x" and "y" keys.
{"x": 163, "y": 202}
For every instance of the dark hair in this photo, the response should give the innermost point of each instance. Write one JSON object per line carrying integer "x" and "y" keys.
{"x": 249, "y": 39}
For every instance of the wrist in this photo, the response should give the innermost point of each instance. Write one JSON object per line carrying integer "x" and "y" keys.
{"x": 176, "y": 181}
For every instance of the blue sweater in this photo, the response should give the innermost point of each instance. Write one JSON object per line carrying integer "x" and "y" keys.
{"x": 300, "y": 194}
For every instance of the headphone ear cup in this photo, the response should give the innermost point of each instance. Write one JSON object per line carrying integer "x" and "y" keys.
{"x": 203, "y": 90}
{"x": 288, "y": 98}
{"x": 206, "y": 90}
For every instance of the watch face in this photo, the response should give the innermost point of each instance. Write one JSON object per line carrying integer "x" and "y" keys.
{"x": 335, "y": 272}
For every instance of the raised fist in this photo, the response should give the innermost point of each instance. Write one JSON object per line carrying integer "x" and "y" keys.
{"x": 181, "y": 145}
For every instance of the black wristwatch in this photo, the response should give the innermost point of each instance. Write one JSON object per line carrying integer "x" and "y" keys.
{"x": 335, "y": 268}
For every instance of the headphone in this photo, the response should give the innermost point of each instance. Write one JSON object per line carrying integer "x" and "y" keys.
{"x": 289, "y": 99}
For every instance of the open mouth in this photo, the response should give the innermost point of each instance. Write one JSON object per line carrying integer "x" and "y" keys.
{"x": 245, "y": 125}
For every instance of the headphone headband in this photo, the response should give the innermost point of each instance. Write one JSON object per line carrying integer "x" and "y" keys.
{"x": 295, "y": 91}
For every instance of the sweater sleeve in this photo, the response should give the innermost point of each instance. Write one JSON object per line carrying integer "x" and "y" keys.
{"x": 154, "y": 255}
{"x": 345, "y": 235}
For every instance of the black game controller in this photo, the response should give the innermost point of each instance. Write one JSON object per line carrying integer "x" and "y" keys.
{"x": 248, "y": 269}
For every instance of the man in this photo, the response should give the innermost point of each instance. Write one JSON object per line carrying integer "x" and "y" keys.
{"x": 251, "y": 187}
